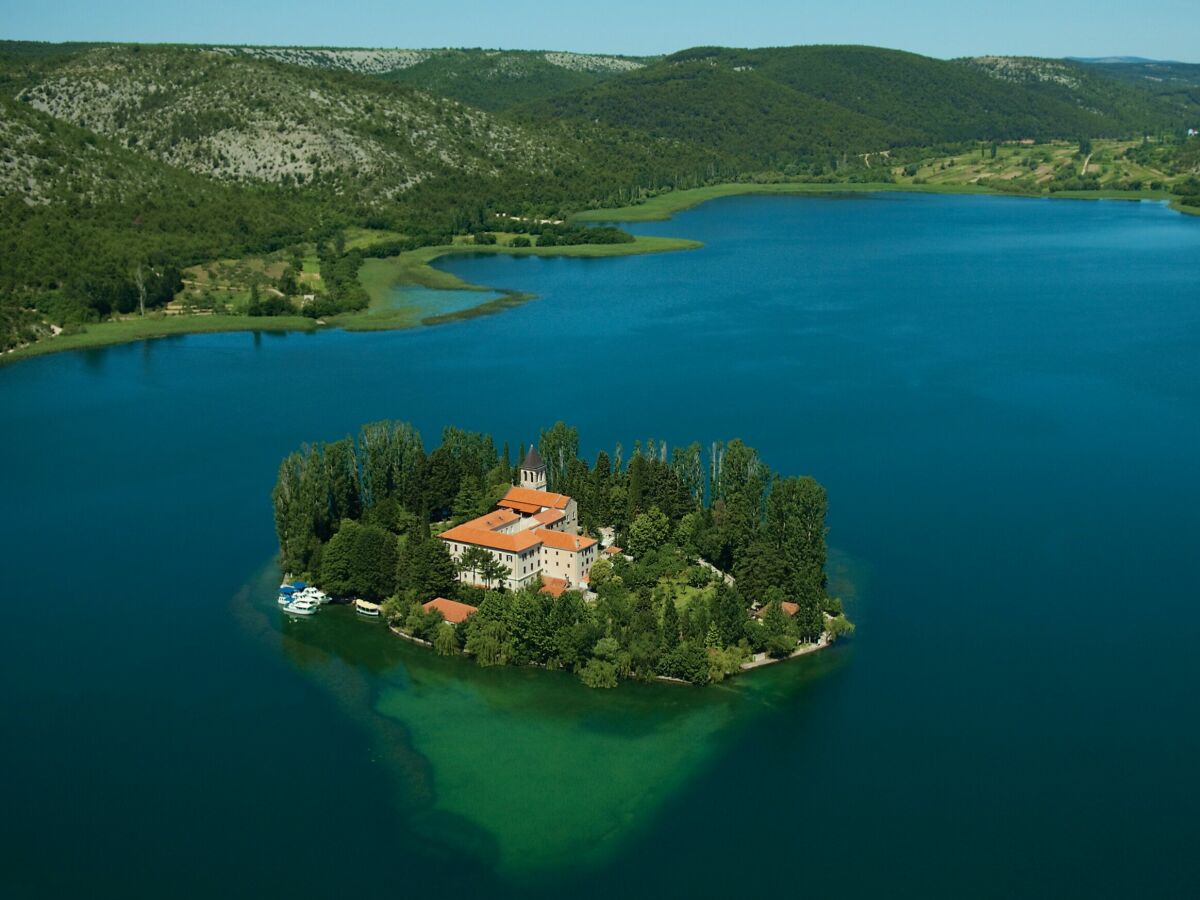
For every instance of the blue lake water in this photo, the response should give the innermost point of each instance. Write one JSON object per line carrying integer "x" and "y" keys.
{"x": 1001, "y": 397}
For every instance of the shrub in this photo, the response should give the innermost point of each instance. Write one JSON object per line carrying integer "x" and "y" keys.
{"x": 780, "y": 646}
{"x": 837, "y": 627}
{"x": 599, "y": 673}
{"x": 445, "y": 639}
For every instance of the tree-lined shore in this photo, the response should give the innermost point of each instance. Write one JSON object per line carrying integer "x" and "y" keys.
{"x": 360, "y": 518}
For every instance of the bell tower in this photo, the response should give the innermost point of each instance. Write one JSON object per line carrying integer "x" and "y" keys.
{"x": 533, "y": 471}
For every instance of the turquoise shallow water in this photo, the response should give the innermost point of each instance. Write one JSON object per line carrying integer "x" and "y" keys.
{"x": 1000, "y": 396}
{"x": 426, "y": 302}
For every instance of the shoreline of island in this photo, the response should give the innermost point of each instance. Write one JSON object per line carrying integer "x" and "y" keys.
{"x": 687, "y": 567}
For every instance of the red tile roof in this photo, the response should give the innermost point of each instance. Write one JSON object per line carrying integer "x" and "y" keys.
{"x": 452, "y": 611}
{"x": 494, "y": 520}
{"x": 550, "y": 516}
{"x": 531, "y": 497}
{"x": 560, "y": 540}
{"x": 787, "y": 606}
{"x": 554, "y": 586}
{"x": 613, "y": 550}
{"x": 481, "y": 537}
{"x": 527, "y": 508}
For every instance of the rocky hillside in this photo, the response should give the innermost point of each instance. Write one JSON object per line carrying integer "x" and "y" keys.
{"x": 44, "y": 160}
{"x": 492, "y": 80}
{"x": 1124, "y": 101}
{"x": 244, "y": 119}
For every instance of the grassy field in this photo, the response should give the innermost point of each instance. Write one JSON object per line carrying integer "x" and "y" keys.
{"x": 1035, "y": 167}
{"x": 357, "y": 238}
{"x": 103, "y": 334}
{"x": 665, "y": 205}
{"x": 223, "y": 285}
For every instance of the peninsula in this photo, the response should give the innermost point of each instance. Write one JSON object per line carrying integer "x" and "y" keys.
{"x": 688, "y": 565}
{"x": 148, "y": 191}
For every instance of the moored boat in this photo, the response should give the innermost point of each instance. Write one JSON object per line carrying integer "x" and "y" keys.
{"x": 367, "y": 608}
{"x": 302, "y": 607}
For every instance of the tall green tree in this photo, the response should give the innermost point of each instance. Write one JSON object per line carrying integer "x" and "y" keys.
{"x": 728, "y": 614}
{"x": 471, "y": 563}
{"x": 359, "y": 561}
{"x": 759, "y": 568}
{"x": 648, "y": 532}
{"x": 425, "y": 568}
{"x": 558, "y": 445}
{"x": 670, "y": 625}
{"x": 285, "y": 500}
{"x": 795, "y": 524}
{"x": 601, "y": 486}
{"x": 345, "y": 492}
{"x": 494, "y": 572}
{"x": 441, "y": 482}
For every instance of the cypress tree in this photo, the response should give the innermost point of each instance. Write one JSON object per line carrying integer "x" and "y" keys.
{"x": 670, "y": 625}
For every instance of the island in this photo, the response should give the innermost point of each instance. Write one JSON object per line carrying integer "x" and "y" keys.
{"x": 686, "y": 565}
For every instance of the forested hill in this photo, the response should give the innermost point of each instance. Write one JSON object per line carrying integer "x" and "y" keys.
{"x": 495, "y": 80}
{"x": 804, "y": 101}
{"x": 1152, "y": 75}
{"x": 252, "y": 120}
{"x": 492, "y": 80}
{"x": 116, "y": 159}
{"x": 726, "y": 106}
{"x": 354, "y": 138}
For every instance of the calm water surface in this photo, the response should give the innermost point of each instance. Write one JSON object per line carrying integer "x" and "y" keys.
{"x": 1001, "y": 397}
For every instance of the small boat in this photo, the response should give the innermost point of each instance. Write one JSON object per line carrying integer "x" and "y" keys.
{"x": 366, "y": 608}
{"x": 302, "y": 607}
{"x": 285, "y": 599}
{"x": 312, "y": 593}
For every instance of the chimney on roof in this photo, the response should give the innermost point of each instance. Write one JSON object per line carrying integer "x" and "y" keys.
{"x": 533, "y": 471}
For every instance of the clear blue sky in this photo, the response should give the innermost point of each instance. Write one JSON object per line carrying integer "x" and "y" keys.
{"x": 1162, "y": 29}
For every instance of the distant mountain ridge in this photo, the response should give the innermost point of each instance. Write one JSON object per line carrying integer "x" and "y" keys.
{"x": 374, "y": 123}
{"x": 1115, "y": 59}
{"x": 765, "y": 105}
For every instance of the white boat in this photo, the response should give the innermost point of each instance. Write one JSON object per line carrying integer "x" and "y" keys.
{"x": 302, "y": 607}
{"x": 311, "y": 593}
{"x": 366, "y": 608}
{"x": 284, "y": 600}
